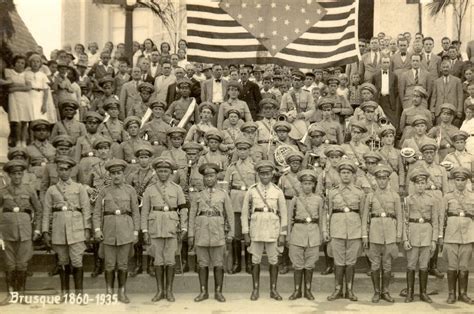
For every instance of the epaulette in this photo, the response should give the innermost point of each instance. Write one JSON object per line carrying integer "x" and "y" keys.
{"x": 276, "y": 186}
{"x": 175, "y": 184}
{"x": 252, "y": 186}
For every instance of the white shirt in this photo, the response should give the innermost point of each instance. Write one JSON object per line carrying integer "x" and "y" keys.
{"x": 217, "y": 94}
{"x": 153, "y": 69}
{"x": 385, "y": 89}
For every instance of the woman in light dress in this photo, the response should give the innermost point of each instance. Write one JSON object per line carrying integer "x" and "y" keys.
{"x": 468, "y": 126}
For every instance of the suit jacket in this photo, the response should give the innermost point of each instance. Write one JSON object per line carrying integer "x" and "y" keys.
{"x": 206, "y": 89}
{"x": 173, "y": 94}
{"x": 157, "y": 72}
{"x": 196, "y": 90}
{"x": 251, "y": 95}
{"x": 128, "y": 96}
{"x": 398, "y": 65}
{"x": 367, "y": 68}
{"x": 450, "y": 93}
{"x": 434, "y": 65}
{"x": 457, "y": 68}
{"x": 406, "y": 83}
{"x": 148, "y": 78}
{"x": 392, "y": 86}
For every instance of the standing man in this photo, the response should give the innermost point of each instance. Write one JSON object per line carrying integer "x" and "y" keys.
{"x": 412, "y": 78}
{"x": 214, "y": 89}
{"x": 67, "y": 204}
{"x": 429, "y": 61}
{"x": 17, "y": 206}
{"x": 211, "y": 225}
{"x": 370, "y": 63}
{"x": 129, "y": 93}
{"x": 264, "y": 207}
{"x": 116, "y": 224}
{"x": 345, "y": 228}
{"x": 381, "y": 231}
{"x": 401, "y": 59}
{"x": 250, "y": 93}
{"x": 298, "y": 99}
{"x": 386, "y": 83}
{"x": 164, "y": 219}
{"x": 459, "y": 235}
{"x": 163, "y": 81}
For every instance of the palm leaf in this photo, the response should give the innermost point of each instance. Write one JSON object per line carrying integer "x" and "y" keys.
{"x": 438, "y": 6}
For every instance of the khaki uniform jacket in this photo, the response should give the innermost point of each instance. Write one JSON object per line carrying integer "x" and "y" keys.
{"x": 40, "y": 154}
{"x": 421, "y": 206}
{"x": 301, "y": 208}
{"x": 304, "y": 99}
{"x": 178, "y": 156}
{"x": 391, "y": 157}
{"x": 240, "y": 175}
{"x": 327, "y": 180}
{"x": 68, "y": 226}
{"x": 264, "y": 226}
{"x": 117, "y": 229}
{"x": 140, "y": 179}
{"x": 290, "y": 185}
{"x": 114, "y": 130}
{"x": 333, "y": 130}
{"x": 164, "y": 224}
{"x": 210, "y": 231}
{"x": 51, "y": 177}
{"x": 126, "y": 150}
{"x": 17, "y": 226}
{"x": 459, "y": 230}
{"x": 73, "y": 128}
{"x": 382, "y": 230}
{"x": 346, "y": 225}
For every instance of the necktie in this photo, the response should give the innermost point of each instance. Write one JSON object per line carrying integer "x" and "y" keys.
{"x": 385, "y": 72}
{"x": 428, "y": 59}
{"x": 374, "y": 62}
{"x": 143, "y": 77}
{"x": 403, "y": 54}
{"x": 218, "y": 80}
{"x": 416, "y": 76}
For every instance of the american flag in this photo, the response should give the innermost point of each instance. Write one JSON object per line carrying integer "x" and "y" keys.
{"x": 296, "y": 33}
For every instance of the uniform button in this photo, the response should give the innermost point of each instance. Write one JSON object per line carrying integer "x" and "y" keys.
{"x": 166, "y": 208}
{"x": 154, "y": 143}
{"x": 90, "y": 154}
{"x": 243, "y": 187}
{"x": 265, "y": 209}
{"x": 64, "y": 208}
{"x": 308, "y": 219}
{"x": 316, "y": 164}
{"x": 16, "y": 209}
{"x": 191, "y": 189}
{"x": 448, "y": 146}
{"x": 118, "y": 212}
{"x": 433, "y": 187}
{"x": 461, "y": 214}
{"x": 346, "y": 209}
{"x": 383, "y": 215}
{"x": 421, "y": 220}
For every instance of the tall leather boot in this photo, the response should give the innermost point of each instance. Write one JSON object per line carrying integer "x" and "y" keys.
{"x": 78, "y": 274}
{"x": 160, "y": 284}
{"x": 236, "y": 257}
{"x": 452, "y": 278}
{"x": 109, "y": 282}
{"x": 339, "y": 277}
{"x": 376, "y": 283}
{"x": 55, "y": 270}
{"x": 273, "y": 283}
{"x": 184, "y": 258}
{"x": 329, "y": 261}
{"x": 122, "y": 281}
{"x": 10, "y": 282}
{"x": 218, "y": 282}
{"x": 138, "y": 269}
{"x": 308, "y": 281}
{"x": 385, "y": 295}
{"x": 349, "y": 274}
{"x": 150, "y": 268}
{"x": 21, "y": 283}
{"x": 423, "y": 278}
{"x": 255, "y": 282}
{"x": 203, "y": 284}
{"x": 248, "y": 262}
{"x": 284, "y": 265}
{"x": 410, "y": 286}
{"x": 369, "y": 264}
{"x": 433, "y": 265}
{"x": 298, "y": 280}
{"x": 169, "y": 283}
{"x": 463, "y": 278}
{"x": 98, "y": 262}
{"x": 64, "y": 271}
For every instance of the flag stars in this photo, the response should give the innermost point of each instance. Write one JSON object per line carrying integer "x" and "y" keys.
{"x": 287, "y": 7}
{"x": 287, "y": 22}
{"x": 285, "y": 38}
{"x": 303, "y": 10}
{"x": 274, "y": 33}
{"x": 251, "y": 25}
{"x": 260, "y": 19}
{"x": 319, "y": 11}
{"x": 273, "y": 5}
{"x": 258, "y": 6}
{"x": 244, "y": 5}
{"x": 274, "y": 19}
{"x": 297, "y": 30}
{"x": 227, "y": 5}
{"x": 239, "y": 16}
{"x": 262, "y": 35}
{"x": 274, "y": 47}
{"x": 306, "y": 22}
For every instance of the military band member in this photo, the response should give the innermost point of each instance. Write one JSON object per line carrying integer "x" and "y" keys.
{"x": 176, "y": 153}
{"x": 210, "y": 214}
{"x": 18, "y": 206}
{"x": 264, "y": 226}
{"x": 420, "y": 233}
{"x": 249, "y": 131}
{"x": 420, "y": 124}
{"x": 314, "y": 157}
{"x": 459, "y": 234}
{"x": 342, "y": 109}
{"x": 391, "y": 157}
{"x": 333, "y": 129}
{"x": 382, "y": 223}
{"x": 214, "y": 139}
{"x": 409, "y": 114}
{"x": 140, "y": 178}
{"x": 155, "y": 130}
{"x": 68, "y": 125}
{"x": 116, "y": 223}
{"x": 460, "y": 157}
{"x": 443, "y": 131}
{"x": 233, "y": 102}
{"x": 344, "y": 206}
{"x": 164, "y": 219}
{"x": 140, "y": 107}
{"x": 298, "y": 100}
{"x": 265, "y": 133}
{"x": 178, "y": 108}
{"x": 113, "y": 127}
{"x": 85, "y": 155}
{"x": 126, "y": 150}
{"x": 307, "y": 222}
{"x": 67, "y": 204}
{"x": 197, "y": 131}
{"x": 29, "y": 179}
{"x": 240, "y": 175}
{"x": 356, "y": 149}
{"x": 281, "y": 130}
{"x": 370, "y": 120}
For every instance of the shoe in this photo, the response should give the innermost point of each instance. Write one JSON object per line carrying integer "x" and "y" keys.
{"x": 308, "y": 280}
{"x": 433, "y": 265}
{"x": 218, "y": 282}
{"x": 203, "y": 284}
{"x": 349, "y": 275}
{"x": 423, "y": 279}
{"x": 98, "y": 263}
{"x": 169, "y": 283}
{"x": 329, "y": 262}
{"x": 255, "y": 281}
{"x": 339, "y": 276}
{"x": 410, "y": 286}
{"x": 21, "y": 284}
{"x": 160, "y": 284}
{"x": 375, "y": 274}
{"x": 452, "y": 278}
{"x": 236, "y": 257}
{"x": 273, "y": 283}
{"x": 122, "y": 281}
{"x": 385, "y": 295}
{"x": 10, "y": 283}
{"x": 298, "y": 280}
{"x": 463, "y": 279}
{"x": 55, "y": 270}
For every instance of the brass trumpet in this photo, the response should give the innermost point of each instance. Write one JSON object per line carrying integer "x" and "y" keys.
{"x": 383, "y": 121}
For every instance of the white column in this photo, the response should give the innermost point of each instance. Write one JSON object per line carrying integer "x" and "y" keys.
{"x": 82, "y": 23}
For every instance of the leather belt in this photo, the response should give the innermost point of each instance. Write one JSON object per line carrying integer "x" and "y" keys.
{"x": 118, "y": 212}
{"x": 307, "y": 221}
{"x": 38, "y": 163}
{"x": 265, "y": 141}
{"x": 17, "y": 210}
{"x": 383, "y": 215}
{"x": 65, "y": 209}
{"x": 420, "y": 220}
{"x": 344, "y": 210}
{"x": 164, "y": 209}
{"x": 264, "y": 210}
{"x": 209, "y": 213}
{"x": 461, "y": 214}
{"x": 88, "y": 154}
{"x": 239, "y": 187}
{"x": 433, "y": 187}
{"x": 287, "y": 197}
{"x": 193, "y": 189}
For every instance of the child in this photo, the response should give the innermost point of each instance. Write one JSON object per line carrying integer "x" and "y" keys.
{"x": 309, "y": 81}
{"x": 122, "y": 76}
{"x": 113, "y": 127}
{"x": 103, "y": 68}
{"x": 354, "y": 91}
{"x": 139, "y": 108}
{"x": 84, "y": 103}
{"x": 265, "y": 135}
{"x": 468, "y": 127}
{"x": 85, "y": 156}
{"x": 67, "y": 125}
{"x": 156, "y": 129}
{"x": 61, "y": 84}
{"x": 343, "y": 90}
{"x": 267, "y": 87}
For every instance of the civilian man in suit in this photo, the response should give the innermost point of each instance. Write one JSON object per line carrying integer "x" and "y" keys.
{"x": 401, "y": 59}
{"x": 411, "y": 78}
{"x": 163, "y": 81}
{"x": 173, "y": 90}
{"x": 196, "y": 85}
{"x": 250, "y": 93}
{"x": 370, "y": 62}
{"x": 214, "y": 90}
{"x": 386, "y": 83}
{"x": 145, "y": 76}
{"x": 429, "y": 61}
{"x": 457, "y": 66}
{"x": 129, "y": 93}
{"x": 155, "y": 66}
{"x": 445, "y": 43}
{"x": 446, "y": 89}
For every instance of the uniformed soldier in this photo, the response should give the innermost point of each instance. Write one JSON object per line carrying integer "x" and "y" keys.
{"x": 140, "y": 107}
{"x": 257, "y": 152}
{"x": 67, "y": 204}
{"x": 29, "y": 178}
{"x": 265, "y": 132}
{"x": 356, "y": 149}
{"x": 344, "y": 207}
{"x": 213, "y": 155}
{"x": 391, "y": 157}
{"x": 314, "y": 157}
{"x": 291, "y": 187}
{"x": 420, "y": 233}
{"x": 155, "y": 130}
{"x": 371, "y": 160}
{"x": 264, "y": 209}
{"x": 85, "y": 155}
{"x": 68, "y": 125}
{"x": 420, "y": 124}
{"x": 126, "y": 150}
{"x": 140, "y": 179}
{"x": 197, "y": 131}
{"x": 178, "y": 108}
{"x": 233, "y": 102}
{"x": 460, "y": 157}
{"x": 281, "y": 130}
{"x": 342, "y": 109}
{"x": 18, "y": 206}
{"x": 333, "y": 129}
{"x": 211, "y": 225}
{"x": 116, "y": 223}
{"x": 459, "y": 234}
{"x": 382, "y": 223}
{"x": 164, "y": 219}
{"x": 307, "y": 222}
{"x": 176, "y": 153}
{"x": 297, "y": 100}
{"x": 417, "y": 109}
{"x": 113, "y": 127}
{"x": 444, "y": 130}
{"x": 371, "y": 137}
{"x": 240, "y": 175}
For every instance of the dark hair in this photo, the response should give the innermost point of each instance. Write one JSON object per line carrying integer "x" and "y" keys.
{"x": 184, "y": 41}
{"x": 124, "y": 60}
{"x": 80, "y": 45}
{"x": 51, "y": 62}
{"x": 18, "y": 57}
{"x": 428, "y": 38}
{"x": 445, "y": 38}
{"x": 164, "y": 43}
{"x": 151, "y": 41}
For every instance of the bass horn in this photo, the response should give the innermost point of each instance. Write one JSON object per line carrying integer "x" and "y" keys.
{"x": 281, "y": 152}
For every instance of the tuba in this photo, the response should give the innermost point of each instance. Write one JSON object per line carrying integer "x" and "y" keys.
{"x": 281, "y": 152}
